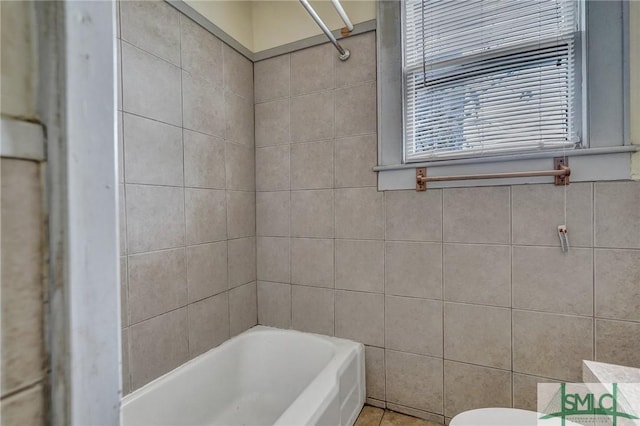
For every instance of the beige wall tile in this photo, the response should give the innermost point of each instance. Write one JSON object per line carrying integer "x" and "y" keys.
{"x": 359, "y": 213}
{"x": 413, "y": 269}
{"x": 312, "y": 262}
{"x": 312, "y": 165}
{"x": 360, "y": 265}
{"x": 240, "y": 163}
{"x": 312, "y": 69}
{"x": 398, "y": 413}
{"x": 239, "y": 119}
{"x": 413, "y": 325}
{"x": 414, "y": 381}
{"x": 203, "y": 108}
{"x": 312, "y": 309}
{"x": 477, "y": 215}
{"x": 243, "y": 308}
{"x": 22, "y": 310}
{"x": 272, "y": 78}
{"x": 152, "y": 152}
{"x": 312, "y": 213}
{"x": 124, "y": 292}
{"x": 618, "y": 342}
{"x": 360, "y": 317}
{"x": 540, "y": 280}
{"x": 203, "y": 161}
{"x": 374, "y": 371}
{"x": 355, "y": 158}
{"x": 273, "y": 259}
{"x": 24, "y": 408}
{"x": 476, "y": 273}
{"x": 157, "y": 283}
{"x": 155, "y": 217}
{"x": 414, "y": 216}
{"x": 238, "y": 73}
{"x": 152, "y": 26}
{"x": 126, "y": 375}
{"x": 312, "y": 117}
{"x": 361, "y": 66}
{"x": 467, "y": 387}
{"x": 274, "y": 304}
{"x": 273, "y": 168}
{"x": 158, "y": 346}
{"x": 151, "y": 87}
{"x": 241, "y": 214}
{"x": 206, "y": 270}
{"x": 272, "y": 214}
{"x": 242, "y": 261}
{"x": 273, "y": 123}
{"x": 539, "y": 209}
{"x": 201, "y": 51}
{"x": 356, "y": 110}
{"x": 477, "y": 334}
{"x": 208, "y": 323}
{"x": 206, "y": 215}
{"x": 617, "y": 214}
{"x": 551, "y": 345}
{"x": 525, "y": 391}
{"x": 617, "y": 274}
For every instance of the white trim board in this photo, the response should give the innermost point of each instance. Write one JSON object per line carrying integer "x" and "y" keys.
{"x": 22, "y": 140}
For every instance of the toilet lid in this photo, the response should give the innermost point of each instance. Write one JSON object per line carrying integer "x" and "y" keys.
{"x": 504, "y": 417}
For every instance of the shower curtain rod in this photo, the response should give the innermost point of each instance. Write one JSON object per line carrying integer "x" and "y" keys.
{"x": 344, "y": 53}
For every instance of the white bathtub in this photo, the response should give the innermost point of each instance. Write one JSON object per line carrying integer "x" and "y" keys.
{"x": 264, "y": 376}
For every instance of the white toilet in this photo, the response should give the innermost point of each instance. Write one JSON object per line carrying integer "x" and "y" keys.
{"x": 504, "y": 417}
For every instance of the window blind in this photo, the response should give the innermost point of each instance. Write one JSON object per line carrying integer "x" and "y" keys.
{"x": 488, "y": 77}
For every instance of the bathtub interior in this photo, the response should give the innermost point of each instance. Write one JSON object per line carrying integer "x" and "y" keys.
{"x": 252, "y": 379}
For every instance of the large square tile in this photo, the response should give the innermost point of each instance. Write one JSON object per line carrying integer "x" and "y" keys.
{"x": 208, "y": 323}
{"x": 273, "y": 123}
{"x": 239, "y": 119}
{"x": 540, "y": 280}
{"x": 312, "y": 117}
{"x": 617, "y": 214}
{"x": 312, "y": 69}
{"x": 24, "y": 408}
{"x": 525, "y": 390}
{"x": 273, "y": 259}
{"x": 414, "y": 381}
{"x": 203, "y": 161}
{"x": 413, "y": 325}
{"x": 206, "y": 215}
{"x": 312, "y": 309}
{"x": 158, "y": 346}
{"x": 477, "y": 273}
{"x": 206, "y": 270}
{"x": 551, "y": 345}
{"x": 272, "y": 214}
{"x": 273, "y": 168}
{"x": 312, "y": 213}
{"x": 414, "y": 216}
{"x": 201, "y": 52}
{"x": 242, "y": 261}
{"x": 243, "y": 308}
{"x": 477, "y": 215}
{"x": 360, "y": 265}
{"x": 157, "y": 283}
{"x": 618, "y": 342}
{"x": 360, "y": 317}
{"x": 477, "y": 334}
{"x": 151, "y": 87}
{"x": 356, "y": 110}
{"x": 617, "y": 289}
{"x": 359, "y": 213}
{"x": 274, "y": 304}
{"x": 238, "y": 73}
{"x": 240, "y": 163}
{"x": 355, "y": 158}
{"x": 413, "y": 269}
{"x": 203, "y": 105}
{"x": 155, "y": 217}
{"x": 312, "y": 262}
{"x": 312, "y": 165}
{"x": 152, "y": 152}
{"x": 374, "y": 372}
{"x": 361, "y": 66}
{"x": 241, "y": 214}
{"x": 272, "y": 78}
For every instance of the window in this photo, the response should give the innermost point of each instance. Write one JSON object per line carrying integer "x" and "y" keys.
{"x": 490, "y": 77}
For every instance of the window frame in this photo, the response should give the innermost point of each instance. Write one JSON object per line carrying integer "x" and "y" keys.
{"x": 602, "y": 115}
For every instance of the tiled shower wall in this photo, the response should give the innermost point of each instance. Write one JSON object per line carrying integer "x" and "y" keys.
{"x": 187, "y": 190}
{"x": 461, "y": 296}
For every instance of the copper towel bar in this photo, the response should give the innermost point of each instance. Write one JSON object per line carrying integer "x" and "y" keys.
{"x": 561, "y": 172}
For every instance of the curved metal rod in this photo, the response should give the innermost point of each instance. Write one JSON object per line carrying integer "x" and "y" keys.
{"x": 344, "y": 53}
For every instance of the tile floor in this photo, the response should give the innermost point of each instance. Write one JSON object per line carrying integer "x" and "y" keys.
{"x": 372, "y": 416}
